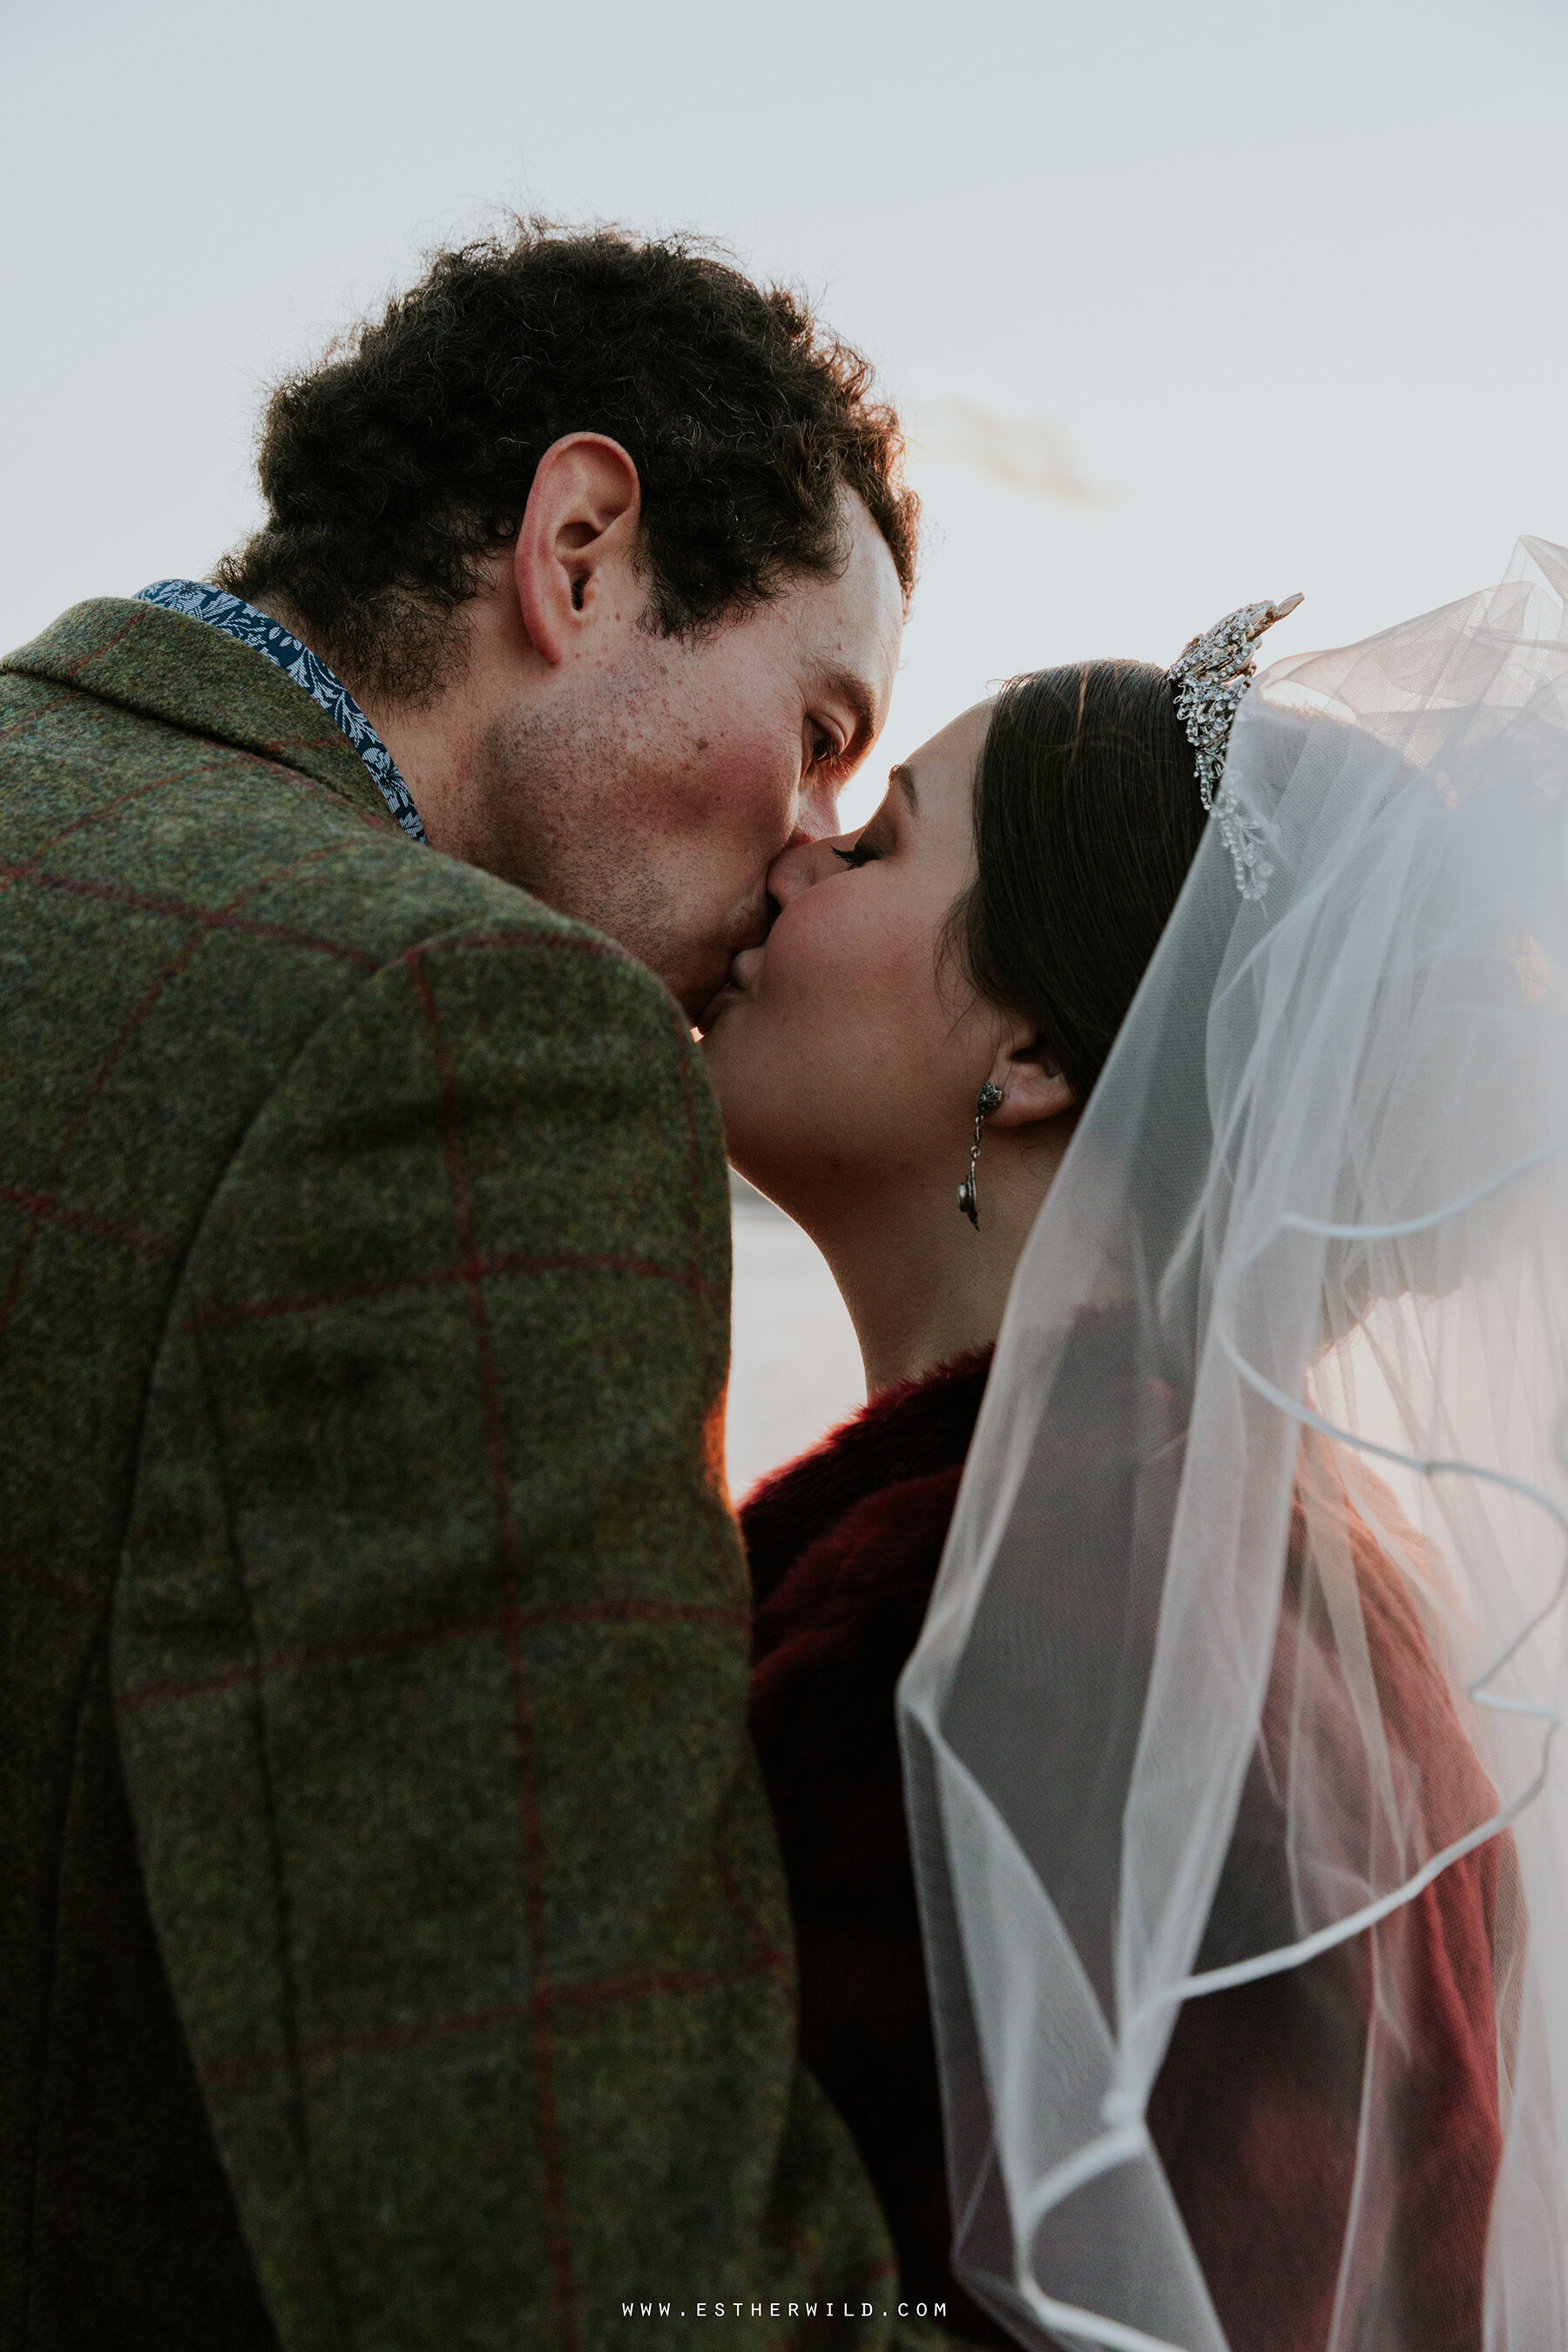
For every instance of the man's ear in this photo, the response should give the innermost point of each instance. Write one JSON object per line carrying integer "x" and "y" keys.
{"x": 577, "y": 540}
{"x": 1033, "y": 1087}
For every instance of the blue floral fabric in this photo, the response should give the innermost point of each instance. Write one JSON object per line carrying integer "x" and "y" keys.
{"x": 238, "y": 619}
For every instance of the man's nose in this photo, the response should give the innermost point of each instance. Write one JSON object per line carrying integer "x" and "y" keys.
{"x": 818, "y": 817}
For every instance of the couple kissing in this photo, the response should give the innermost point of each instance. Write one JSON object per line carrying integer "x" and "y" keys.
{"x": 1039, "y": 1873}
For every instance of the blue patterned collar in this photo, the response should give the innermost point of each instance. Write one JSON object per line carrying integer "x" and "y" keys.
{"x": 237, "y": 619}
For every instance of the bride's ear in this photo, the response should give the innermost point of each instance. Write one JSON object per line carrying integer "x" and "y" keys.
{"x": 1033, "y": 1087}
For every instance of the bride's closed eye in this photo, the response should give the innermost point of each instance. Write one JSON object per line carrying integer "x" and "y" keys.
{"x": 862, "y": 853}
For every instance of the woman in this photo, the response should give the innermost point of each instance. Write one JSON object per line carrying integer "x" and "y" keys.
{"x": 1303, "y": 2152}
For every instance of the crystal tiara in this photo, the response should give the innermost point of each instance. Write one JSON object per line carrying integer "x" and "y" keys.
{"x": 1210, "y": 677}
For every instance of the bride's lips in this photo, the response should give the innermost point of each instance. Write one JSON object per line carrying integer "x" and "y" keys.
{"x": 744, "y": 967}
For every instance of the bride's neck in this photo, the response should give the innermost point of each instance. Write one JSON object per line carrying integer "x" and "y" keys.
{"x": 920, "y": 1284}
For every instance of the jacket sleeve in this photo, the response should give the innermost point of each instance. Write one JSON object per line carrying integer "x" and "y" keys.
{"x": 430, "y": 1652}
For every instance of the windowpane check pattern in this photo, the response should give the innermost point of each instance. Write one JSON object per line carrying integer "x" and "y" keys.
{"x": 394, "y": 1944}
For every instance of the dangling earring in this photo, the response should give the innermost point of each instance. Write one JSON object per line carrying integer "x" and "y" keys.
{"x": 988, "y": 1100}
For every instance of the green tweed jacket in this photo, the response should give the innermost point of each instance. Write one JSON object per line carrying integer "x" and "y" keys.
{"x": 392, "y": 1944}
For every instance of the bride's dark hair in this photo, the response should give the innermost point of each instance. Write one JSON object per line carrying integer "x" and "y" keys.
{"x": 1087, "y": 816}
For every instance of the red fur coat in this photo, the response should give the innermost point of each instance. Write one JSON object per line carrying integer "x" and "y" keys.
{"x": 1255, "y": 2111}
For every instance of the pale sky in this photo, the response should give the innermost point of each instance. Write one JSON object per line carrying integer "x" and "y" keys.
{"x": 1276, "y": 291}
{"x": 1288, "y": 280}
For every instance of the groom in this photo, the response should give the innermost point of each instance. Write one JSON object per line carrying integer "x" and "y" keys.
{"x": 393, "y": 1942}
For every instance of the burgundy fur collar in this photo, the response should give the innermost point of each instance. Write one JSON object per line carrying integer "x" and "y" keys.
{"x": 906, "y": 1432}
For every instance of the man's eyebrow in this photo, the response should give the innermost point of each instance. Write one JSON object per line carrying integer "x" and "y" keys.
{"x": 906, "y": 784}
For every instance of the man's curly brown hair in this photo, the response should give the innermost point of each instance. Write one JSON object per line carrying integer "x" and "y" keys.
{"x": 392, "y": 468}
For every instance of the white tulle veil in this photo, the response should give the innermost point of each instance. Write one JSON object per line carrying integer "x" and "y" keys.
{"x": 1304, "y": 1266}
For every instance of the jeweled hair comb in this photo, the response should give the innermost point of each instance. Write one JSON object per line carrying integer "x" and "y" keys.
{"x": 1210, "y": 677}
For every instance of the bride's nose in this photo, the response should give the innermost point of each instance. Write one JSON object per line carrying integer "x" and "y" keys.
{"x": 794, "y": 870}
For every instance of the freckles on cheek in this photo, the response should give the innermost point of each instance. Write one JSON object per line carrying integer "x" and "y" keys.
{"x": 741, "y": 787}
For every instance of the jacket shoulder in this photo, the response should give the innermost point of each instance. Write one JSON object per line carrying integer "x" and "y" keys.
{"x": 180, "y": 918}
{"x": 107, "y": 670}
{"x": 130, "y": 797}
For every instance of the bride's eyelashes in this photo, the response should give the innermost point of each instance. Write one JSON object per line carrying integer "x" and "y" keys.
{"x": 859, "y": 856}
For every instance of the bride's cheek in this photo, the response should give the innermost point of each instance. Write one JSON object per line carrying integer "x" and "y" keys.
{"x": 807, "y": 981}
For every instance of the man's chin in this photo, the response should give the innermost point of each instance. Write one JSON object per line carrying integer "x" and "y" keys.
{"x": 694, "y": 995}
{"x": 717, "y": 1003}
{"x": 704, "y": 1003}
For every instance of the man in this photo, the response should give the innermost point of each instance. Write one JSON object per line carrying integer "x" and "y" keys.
{"x": 394, "y": 1945}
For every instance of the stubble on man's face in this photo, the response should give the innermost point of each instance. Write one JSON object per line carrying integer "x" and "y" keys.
{"x": 649, "y": 800}
{"x": 579, "y": 795}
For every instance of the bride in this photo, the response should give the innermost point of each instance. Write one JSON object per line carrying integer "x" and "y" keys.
{"x": 1194, "y": 1975}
